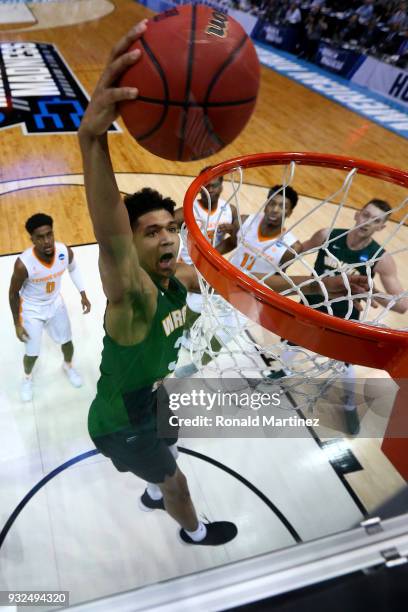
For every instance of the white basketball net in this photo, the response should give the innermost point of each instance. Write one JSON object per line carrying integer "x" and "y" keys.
{"x": 226, "y": 344}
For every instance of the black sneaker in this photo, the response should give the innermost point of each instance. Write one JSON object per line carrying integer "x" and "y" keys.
{"x": 147, "y": 504}
{"x": 352, "y": 421}
{"x": 276, "y": 374}
{"x": 218, "y": 533}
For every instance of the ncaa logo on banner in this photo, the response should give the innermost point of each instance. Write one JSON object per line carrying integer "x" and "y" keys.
{"x": 38, "y": 90}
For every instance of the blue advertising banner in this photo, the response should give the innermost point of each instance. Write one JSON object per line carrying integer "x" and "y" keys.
{"x": 339, "y": 60}
{"x": 282, "y": 37}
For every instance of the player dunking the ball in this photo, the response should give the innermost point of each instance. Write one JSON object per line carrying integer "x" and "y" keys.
{"x": 146, "y": 290}
{"x": 35, "y": 298}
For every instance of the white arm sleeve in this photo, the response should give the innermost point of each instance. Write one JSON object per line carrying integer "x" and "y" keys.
{"x": 75, "y": 275}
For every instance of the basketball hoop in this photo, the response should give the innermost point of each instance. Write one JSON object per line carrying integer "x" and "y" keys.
{"x": 338, "y": 339}
{"x": 367, "y": 343}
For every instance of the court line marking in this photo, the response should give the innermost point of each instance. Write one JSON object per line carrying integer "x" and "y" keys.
{"x": 12, "y": 186}
{"x": 21, "y": 505}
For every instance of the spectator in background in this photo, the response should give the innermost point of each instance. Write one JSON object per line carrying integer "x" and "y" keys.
{"x": 245, "y": 5}
{"x": 370, "y": 35}
{"x": 399, "y": 17}
{"x": 391, "y": 44}
{"x": 402, "y": 62}
{"x": 403, "y": 50}
{"x": 282, "y": 9}
{"x": 365, "y": 12}
{"x": 293, "y": 15}
{"x": 293, "y": 20}
{"x": 315, "y": 27}
{"x": 276, "y": 11}
{"x": 351, "y": 31}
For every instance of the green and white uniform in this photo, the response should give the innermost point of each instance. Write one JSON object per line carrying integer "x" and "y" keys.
{"x": 123, "y": 417}
{"x": 338, "y": 253}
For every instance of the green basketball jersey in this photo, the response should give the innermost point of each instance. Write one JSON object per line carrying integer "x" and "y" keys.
{"x": 129, "y": 372}
{"x": 341, "y": 252}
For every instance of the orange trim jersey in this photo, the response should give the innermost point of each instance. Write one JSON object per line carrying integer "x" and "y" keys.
{"x": 258, "y": 253}
{"x": 222, "y": 214}
{"x": 43, "y": 284}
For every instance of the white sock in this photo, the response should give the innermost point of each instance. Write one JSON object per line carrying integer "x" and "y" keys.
{"x": 199, "y": 534}
{"x": 28, "y": 376}
{"x": 153, "y": 491}
{"x": 349, "y": 383}
{"x": 67, "y": 366}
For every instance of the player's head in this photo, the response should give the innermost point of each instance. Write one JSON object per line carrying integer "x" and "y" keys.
{"x": 214, "y": 188}
{"x": 155, "y": 231}
{"x": 39, "y": 226}
{"x": 279, "y": 203}
{"x": 373, "y": 216}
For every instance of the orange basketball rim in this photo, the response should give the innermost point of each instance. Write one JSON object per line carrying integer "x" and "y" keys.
{"x": 340, "y": 339}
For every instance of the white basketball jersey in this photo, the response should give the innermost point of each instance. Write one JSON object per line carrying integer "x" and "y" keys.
{"x": 256, "y": 253}
{"x": 44, "y": 280}
{"x": 208, "y": 223}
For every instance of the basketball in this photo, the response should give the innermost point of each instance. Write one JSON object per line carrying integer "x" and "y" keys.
{"x": 198, "y": 80}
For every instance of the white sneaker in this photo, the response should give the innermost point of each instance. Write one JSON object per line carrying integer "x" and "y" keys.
{"x": 73, "y": 376}
{"x": 26, "y": 390}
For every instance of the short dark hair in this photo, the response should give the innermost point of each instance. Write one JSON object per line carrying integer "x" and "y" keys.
{"x": 144, "y": 201}
{"x": 381, "y": 204}
{"x": 38, "y": 220}
{"x": 290, "y": 193}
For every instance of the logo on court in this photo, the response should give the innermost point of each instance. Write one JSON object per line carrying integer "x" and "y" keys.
{"x": 38, "y": 90}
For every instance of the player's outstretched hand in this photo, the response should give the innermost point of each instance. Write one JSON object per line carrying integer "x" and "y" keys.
{"x": 102, "y": 109}
{"x": 21, "y": 333}
{"x": 335, "y": 285}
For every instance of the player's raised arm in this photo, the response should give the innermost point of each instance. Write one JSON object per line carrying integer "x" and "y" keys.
{"x": 315, "y": 241}
{"x": 230, "y": 242}
{"x": 118, "y": 258}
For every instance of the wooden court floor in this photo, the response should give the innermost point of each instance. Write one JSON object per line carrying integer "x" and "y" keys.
{"x": 288, "y": 117}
